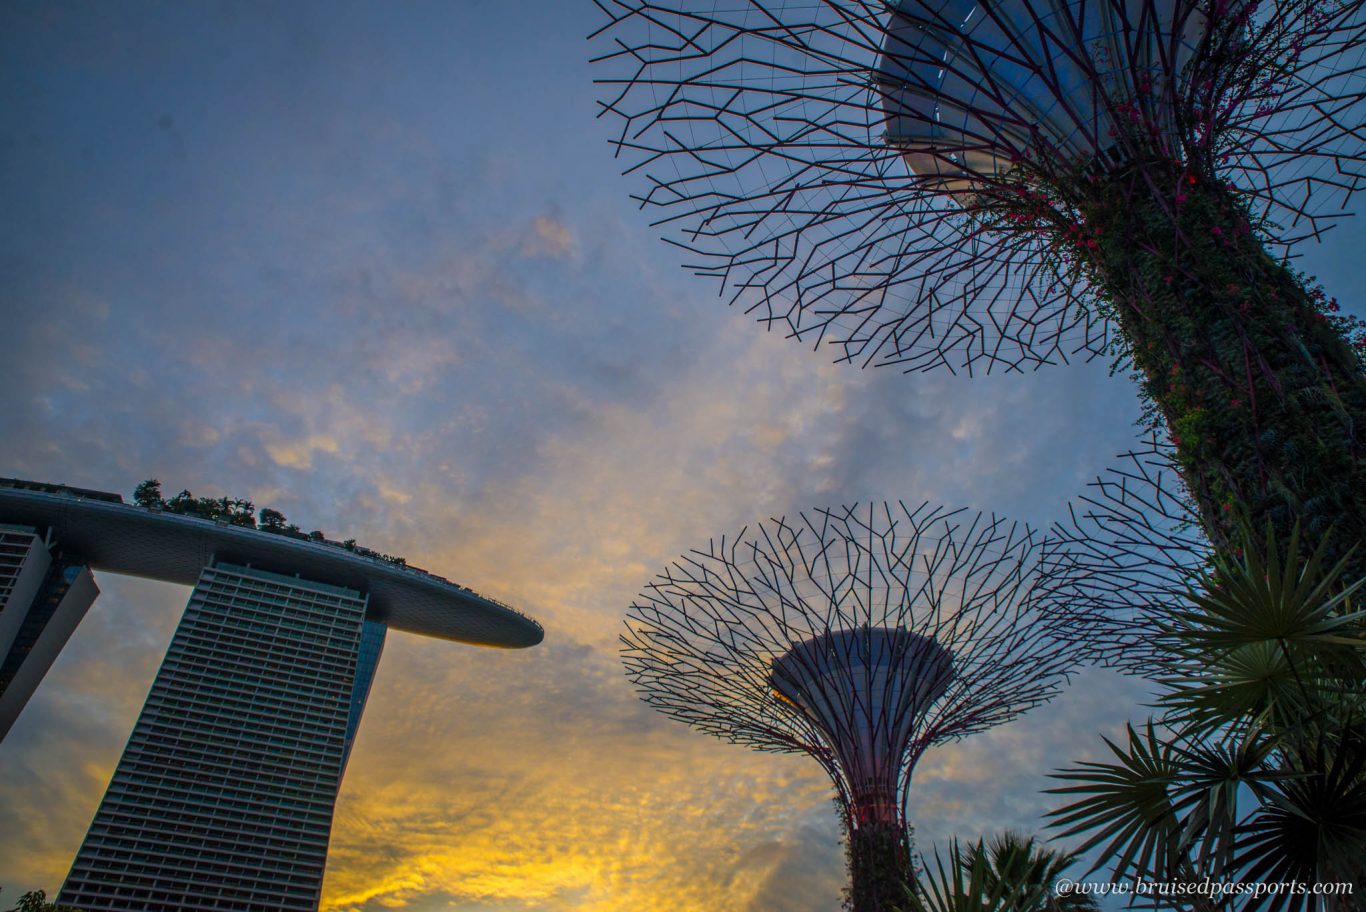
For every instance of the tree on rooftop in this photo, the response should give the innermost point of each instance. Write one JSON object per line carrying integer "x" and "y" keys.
{"x": 241, "y": 512}
{"x": 36, "y": 901}
{"x": 182, "y": 502}
{"x": 148, "y": 494}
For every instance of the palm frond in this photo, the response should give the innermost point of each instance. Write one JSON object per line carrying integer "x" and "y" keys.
{"x": 1127, "y": 806}
{"x": 1268, "y": 637}
{"x": 1312, "y": 827}
{"x": 1011, "y": 873}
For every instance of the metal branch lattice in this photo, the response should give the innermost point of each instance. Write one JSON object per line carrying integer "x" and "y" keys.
{"x": 1123, "y": 562}
{"x": 892, "y": 178}
{"x": 860, "y": 636}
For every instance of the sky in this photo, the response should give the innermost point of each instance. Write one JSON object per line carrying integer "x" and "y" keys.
{"x": 373, "y": 265}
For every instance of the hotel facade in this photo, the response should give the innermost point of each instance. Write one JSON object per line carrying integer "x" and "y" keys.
{"x": 224, "y": 795}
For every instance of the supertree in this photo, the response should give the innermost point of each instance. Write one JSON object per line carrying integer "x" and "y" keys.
{"x": 860, "y": 636}
{"x": 977, "y": 185}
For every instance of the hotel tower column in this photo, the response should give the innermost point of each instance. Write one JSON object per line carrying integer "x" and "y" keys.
{"x": 223, "y": 798}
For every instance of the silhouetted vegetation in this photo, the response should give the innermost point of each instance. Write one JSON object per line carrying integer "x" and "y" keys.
{"x": 238, "y": 511}
{"x": 1009, "y": 873}
{"x": 1255, "y": 769}
{"x": 36, "y": 901}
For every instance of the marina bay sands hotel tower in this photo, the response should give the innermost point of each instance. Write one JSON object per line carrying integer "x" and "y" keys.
{"x": 223, "y": 798}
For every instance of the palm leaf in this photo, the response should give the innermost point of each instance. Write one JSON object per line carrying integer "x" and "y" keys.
{"x": 1126, "y": 806}
{"x": 1271, "y": 638}
{"x": 1011, "y": 874}
{"x": 1312, "y": 828}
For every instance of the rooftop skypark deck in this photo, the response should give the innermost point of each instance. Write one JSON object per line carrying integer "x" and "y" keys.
{"x": 173, "y": 547}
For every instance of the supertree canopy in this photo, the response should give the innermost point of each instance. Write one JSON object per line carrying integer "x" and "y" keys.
{"x": 860, "y": 636}
{"x": 1124, "y": 561}
{"x": 987, "y": 185}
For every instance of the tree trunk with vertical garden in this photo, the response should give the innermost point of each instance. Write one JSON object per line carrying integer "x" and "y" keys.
{"x": 1263, "y": 397}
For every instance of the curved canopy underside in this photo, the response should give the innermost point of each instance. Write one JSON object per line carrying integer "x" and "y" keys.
{"x": 174, "y": 548}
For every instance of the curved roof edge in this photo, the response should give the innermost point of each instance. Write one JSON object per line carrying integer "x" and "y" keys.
{"x": 174, "y": 548}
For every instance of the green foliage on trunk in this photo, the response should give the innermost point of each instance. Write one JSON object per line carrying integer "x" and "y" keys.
{"x": 880, "y": 868}
{"x": 1264, "y": 398}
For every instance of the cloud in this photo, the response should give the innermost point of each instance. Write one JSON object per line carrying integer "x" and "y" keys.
{"x": 369, "y": 294}
{"x": 61, "y": 752}
{"x": 559, "y": 463}
{"x": 569, "y": 788}
{"x": 298, "y": 454}
{"x": 550, "y": 237}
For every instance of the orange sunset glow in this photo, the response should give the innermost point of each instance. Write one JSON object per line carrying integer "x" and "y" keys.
{"x": 374, "y": 266}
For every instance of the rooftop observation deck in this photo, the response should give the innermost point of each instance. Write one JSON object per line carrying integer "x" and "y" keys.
{"x": 138, "y": 541}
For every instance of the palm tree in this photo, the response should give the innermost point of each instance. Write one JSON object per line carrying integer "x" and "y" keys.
{"x": 1255, "y": 770}
{"x": 1011, "y": 873}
